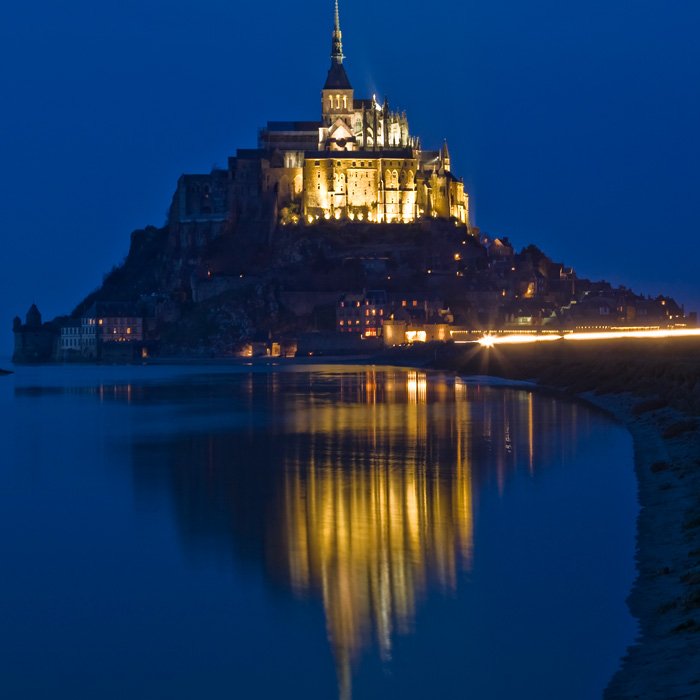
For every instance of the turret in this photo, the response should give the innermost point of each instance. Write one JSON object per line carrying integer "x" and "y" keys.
{"x": 445, "y": 158}
{"x": 33, "y": 317}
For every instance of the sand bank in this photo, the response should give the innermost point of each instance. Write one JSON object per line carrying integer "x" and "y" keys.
{"x": 664, "y": 663}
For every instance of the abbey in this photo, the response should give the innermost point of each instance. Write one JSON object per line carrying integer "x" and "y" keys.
{"x": 359, "y": 162}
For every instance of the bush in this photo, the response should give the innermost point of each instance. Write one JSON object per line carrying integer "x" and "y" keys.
{"x": 679, "y": 428}
{"x": 648, "y": 405}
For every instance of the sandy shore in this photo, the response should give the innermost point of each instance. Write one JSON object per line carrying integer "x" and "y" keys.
{"x": 664, "y": 663}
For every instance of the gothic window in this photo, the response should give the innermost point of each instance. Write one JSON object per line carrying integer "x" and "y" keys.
{"x": 330, "y": 102}
{"x": 345, "y": 101}
{"x": 337, "y": 101}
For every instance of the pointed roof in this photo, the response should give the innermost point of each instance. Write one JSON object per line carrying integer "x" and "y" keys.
{"x": 33, "y": 316}
{"x": 337, "y": 77}
{"x": 445, "y": 153}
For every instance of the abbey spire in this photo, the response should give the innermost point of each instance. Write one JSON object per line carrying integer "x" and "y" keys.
{"x": 337, "y": 77}
{"x": 337, "y": 50}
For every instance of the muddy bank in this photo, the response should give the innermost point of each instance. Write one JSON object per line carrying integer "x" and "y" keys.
{"x": 665, "y": 599}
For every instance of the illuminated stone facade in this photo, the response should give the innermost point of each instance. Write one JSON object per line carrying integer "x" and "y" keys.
{"x": 358, "y": 162}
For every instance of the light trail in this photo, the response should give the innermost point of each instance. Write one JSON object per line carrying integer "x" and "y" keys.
{"x": 489, "y": 341}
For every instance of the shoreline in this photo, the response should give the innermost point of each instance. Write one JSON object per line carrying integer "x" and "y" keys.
{"x": 653, "y": 390}
{"x": 664, "y": 661}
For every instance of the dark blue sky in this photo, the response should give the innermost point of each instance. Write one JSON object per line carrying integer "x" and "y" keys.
{"x": 575, "y": 126}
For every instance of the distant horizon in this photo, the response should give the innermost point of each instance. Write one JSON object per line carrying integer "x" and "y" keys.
{"x": 574, "y": 128}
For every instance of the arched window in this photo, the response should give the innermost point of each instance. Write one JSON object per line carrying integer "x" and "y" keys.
{"x": 330, "y": 102}
{"x": 395, "y": 179}
{"x": 345, "y": 101}
{"x": 337, "y": 101}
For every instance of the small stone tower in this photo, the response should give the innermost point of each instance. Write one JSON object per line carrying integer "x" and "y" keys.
{"x": 33, "y": 317}
{"x": 445, "y": 158}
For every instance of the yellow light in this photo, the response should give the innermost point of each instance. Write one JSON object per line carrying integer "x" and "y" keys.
{"x": 489, "y": 340}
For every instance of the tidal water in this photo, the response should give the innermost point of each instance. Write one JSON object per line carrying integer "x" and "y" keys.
{"x": 307, "y": 531}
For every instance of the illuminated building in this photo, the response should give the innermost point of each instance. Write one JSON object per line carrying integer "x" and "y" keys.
{"x": 365, "y": 165}
{"x": 359, "y": 162}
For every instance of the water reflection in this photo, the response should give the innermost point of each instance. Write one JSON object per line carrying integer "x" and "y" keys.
{"x": 357, "y": 487}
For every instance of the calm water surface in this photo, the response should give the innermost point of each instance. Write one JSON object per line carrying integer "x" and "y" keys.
{"x": 307, "y": 532}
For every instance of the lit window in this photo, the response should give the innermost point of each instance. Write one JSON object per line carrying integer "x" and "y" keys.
{"x": 128, "y": 331}
{"x": 415, "y": 303}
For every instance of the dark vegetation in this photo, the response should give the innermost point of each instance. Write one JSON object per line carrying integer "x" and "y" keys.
{"x": 140, "y": 273}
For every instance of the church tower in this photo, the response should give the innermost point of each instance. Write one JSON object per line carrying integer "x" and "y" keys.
{"x": 337, "y": 95}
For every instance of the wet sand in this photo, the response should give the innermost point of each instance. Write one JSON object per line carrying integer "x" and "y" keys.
{"x": 665, "y": 661}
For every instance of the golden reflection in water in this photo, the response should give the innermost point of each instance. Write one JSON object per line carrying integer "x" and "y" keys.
{"x": 370, "y": 520}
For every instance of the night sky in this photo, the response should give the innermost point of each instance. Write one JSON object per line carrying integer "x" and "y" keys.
{"x": 574, "y": 125}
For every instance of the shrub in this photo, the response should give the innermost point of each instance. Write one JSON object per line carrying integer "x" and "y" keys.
{"x": 648, "y": 405}
{"x": 679, "y": 428}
